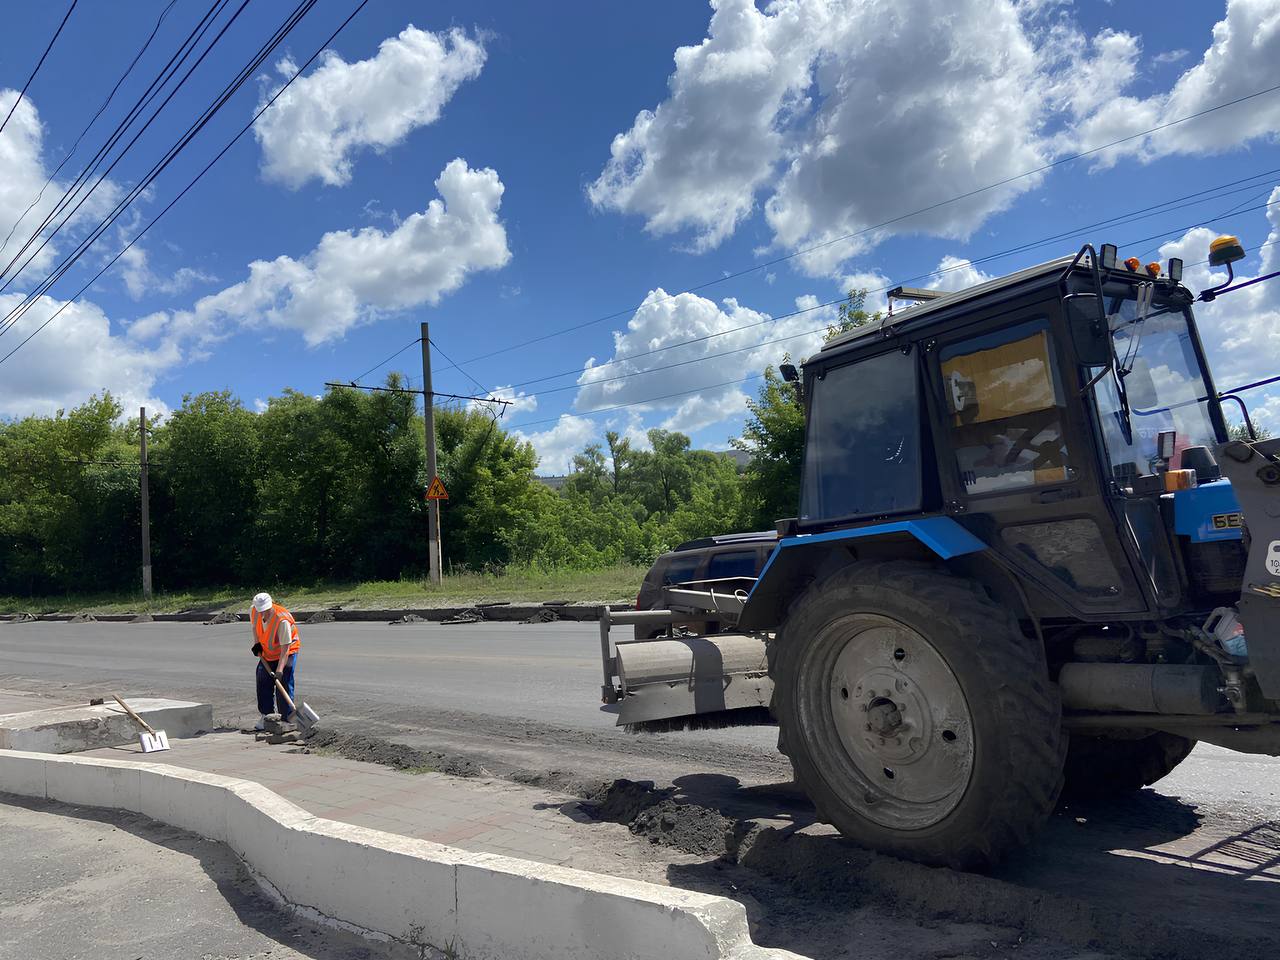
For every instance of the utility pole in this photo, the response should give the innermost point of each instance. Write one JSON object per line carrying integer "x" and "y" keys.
{"x": 146, "y": 508}
{"x": 433, "y": 506}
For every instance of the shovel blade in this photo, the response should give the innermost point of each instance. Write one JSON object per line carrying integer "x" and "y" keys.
{"x": 153, "y": 744}
{"x": 305, "y": 717}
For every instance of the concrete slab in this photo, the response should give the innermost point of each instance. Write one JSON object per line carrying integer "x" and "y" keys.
{"x": 73, "y": 729}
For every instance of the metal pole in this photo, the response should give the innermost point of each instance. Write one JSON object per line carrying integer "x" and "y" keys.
{"x": 429, "y": 415}
{"x": 146, "y": 507}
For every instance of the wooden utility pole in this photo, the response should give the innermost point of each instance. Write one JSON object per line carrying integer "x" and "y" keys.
{"x": 433, "y": 506}
{"x": 146, "y": 508}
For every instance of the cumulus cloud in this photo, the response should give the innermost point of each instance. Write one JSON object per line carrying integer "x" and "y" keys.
{"x": 840, "y": 116}
{"x": 520, "y": 402}
{"x": 60, "y": 369}
{"x": 556, "y": 446}
{"x": 1241, "y": 330}
{"x": 325, "y": 118}
{"x": 956, "y": 273}
{"x": 662, "y": 382}
{"x": 140, "y": 280}
{"x": 22, "y": 184}
{"x": 352, "y": 278}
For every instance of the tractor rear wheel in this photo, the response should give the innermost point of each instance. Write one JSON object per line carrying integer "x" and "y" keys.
{"x": 917, "y": 716}
{"x": 1105, "y": 766}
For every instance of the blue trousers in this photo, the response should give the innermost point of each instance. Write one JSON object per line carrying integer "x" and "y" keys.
{"x": 267, "y": 693}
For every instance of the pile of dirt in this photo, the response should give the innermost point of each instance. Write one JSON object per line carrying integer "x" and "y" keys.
{"x": 143, "y": 618}
{"x": 475, "y": 615}
{"x": 321, "y": 616}
{"x": 407, "y": 618}
{"x": 25, "y": 618}
{"x": 399, "y": 756}
{"x": 83, "y": 618}
{"x": 544, "y": 615}
{"x": 226, "y": 616}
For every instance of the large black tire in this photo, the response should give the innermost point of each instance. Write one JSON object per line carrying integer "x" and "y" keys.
{"x": 974, "y": 771}
{"x": 1105, "y": 767}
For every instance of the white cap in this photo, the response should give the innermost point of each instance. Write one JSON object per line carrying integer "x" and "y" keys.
{"x": 262, "y": 602}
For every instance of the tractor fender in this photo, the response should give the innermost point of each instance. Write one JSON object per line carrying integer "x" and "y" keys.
{"x": 797, "y": 560}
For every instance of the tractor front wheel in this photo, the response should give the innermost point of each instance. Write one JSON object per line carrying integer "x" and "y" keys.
{"x": 917, "y": 716}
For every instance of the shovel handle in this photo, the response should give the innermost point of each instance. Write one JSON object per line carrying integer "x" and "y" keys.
{"x": 276, "y": 677}
{"x": 136, "y": 719}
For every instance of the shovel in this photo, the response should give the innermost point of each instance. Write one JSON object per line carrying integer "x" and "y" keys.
{"x": 301, "y": 713}
{"x": 151, "y": 740}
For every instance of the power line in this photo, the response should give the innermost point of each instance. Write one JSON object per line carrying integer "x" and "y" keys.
{"x": 246, "y": 72}
{"x": 455, "y": 366}
{"x": 412, "y": 343}
{"x": 166, "y": 73}
{"x": 245, "y": 129}
{"x": 418, "y": 393}
{"x": 94, "y": 119}
{"x": 1121, "y": 219}
{"x": 634, "y": 403}
{"x": 39, "y": 63}
{"x": 885, "y": 223}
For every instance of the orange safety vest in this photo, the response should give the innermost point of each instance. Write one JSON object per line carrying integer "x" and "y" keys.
{"x": 267, "y": 630}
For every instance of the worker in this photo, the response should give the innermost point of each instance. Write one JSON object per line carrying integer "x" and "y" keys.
{"x": 274, "y": 631}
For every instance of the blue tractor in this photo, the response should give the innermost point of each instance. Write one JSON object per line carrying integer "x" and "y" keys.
{"x": 1028, "y": 554}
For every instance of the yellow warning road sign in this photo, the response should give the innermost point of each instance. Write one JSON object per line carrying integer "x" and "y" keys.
{"x": 437, "y": 491}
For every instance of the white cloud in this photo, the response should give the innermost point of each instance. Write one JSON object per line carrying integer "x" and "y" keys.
{"x": 556, "y": 446}
{"x": 1241, "y": 60}
{"x": 352, "y": 278}
{"x": 956, "y": 273}
{"x": 324, "y": 118}
{"x": 22, "y": 178}
{"x": 697, "y": 160}
{"x": 1171, "y": 56}
{"x": 1240, "y": 330}
{"x": 840, "y": 115}
{"x": 140, "y": 280}
{"x": 61, "y": 368}
{"x": 521, "y": 402}
{"x": 697, "y": 390}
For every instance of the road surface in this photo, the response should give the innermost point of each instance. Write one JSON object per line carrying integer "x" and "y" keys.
{"x": 1183, "y": 861}
{"x": 80, "y": 884}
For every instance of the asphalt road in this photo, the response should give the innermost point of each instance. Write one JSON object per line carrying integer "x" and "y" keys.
{"x": 1184, "y": 859}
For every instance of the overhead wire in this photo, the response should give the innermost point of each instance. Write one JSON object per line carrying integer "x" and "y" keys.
{"x": 156, "y": 219}
{"x": 885, "y": 223}
{"x": 193, "y": 130}
{"x": 92, "y": 120}
{"x": 383, "y": 363}
{"x": 39, "y": 63}
{"x": 1130, "y": 217}
{"x": 184, "y": 51}
{"x": 648, "y": 400}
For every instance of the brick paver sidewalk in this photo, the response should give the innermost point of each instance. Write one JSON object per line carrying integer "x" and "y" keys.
{"x": 487, "y": 815}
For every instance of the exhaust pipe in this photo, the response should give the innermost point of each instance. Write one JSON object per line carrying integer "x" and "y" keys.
{"x": 1140, "y": 688}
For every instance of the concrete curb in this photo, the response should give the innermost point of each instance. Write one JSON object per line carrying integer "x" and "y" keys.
{"x": 473, "y": 905}
{"x": 70, "y": 729}
{"x": 505, "y": 613}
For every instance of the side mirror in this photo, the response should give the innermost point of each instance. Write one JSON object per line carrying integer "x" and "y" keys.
{"x": 1088, "y": 324}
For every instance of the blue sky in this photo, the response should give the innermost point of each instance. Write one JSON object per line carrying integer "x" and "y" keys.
{"x": 312, "y": 250}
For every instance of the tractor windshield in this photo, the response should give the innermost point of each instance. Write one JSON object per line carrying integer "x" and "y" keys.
{"x": 1164, "y": 383}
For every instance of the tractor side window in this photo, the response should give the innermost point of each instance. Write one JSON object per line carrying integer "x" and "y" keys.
{"x": 862, "y": 454}
{"x": 1005, "y": 405}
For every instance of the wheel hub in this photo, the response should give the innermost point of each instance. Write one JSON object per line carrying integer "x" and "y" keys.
{"x": 903, "y": 721}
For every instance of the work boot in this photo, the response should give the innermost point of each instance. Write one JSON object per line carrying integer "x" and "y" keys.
{"x": 262, "y": 723}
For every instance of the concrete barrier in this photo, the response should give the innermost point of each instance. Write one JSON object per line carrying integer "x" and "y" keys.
{"x": 72, "y": 729}
{"x": 474, "y": 905}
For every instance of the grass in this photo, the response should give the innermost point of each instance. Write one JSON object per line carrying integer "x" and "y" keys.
{"x": 514, "y": 584}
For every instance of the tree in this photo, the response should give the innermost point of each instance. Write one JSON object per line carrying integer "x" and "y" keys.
{"x": 590, "y": 475}
{"x": 205, "y": 491}
{"x": 773, "y": 436}
{"x": 851, "y": 315}
{"x": 619, "y": 456}
{"x": 1238, "y": 431}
